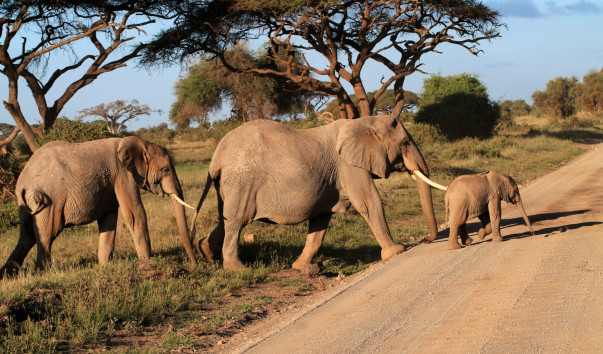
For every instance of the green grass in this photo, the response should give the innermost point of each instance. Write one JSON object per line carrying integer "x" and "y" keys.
{"x": 77, "y": 305}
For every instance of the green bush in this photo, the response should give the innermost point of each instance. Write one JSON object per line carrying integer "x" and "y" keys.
{"x": 424, "y": 133}
{"x": 574, "y": 122}
{"x": 75, "y": 131}
{"x": 459, "y": 106}
{"x": 10, "y": 168}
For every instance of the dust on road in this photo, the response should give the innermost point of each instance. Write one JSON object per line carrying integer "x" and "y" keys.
{"x": 541, "y": 293}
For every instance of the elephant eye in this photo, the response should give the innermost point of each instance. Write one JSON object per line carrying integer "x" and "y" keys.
{"x": 165, "y": 170}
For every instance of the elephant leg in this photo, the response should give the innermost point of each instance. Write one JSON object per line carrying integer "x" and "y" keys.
{"x": 135, "y": 218}
{"x": 494, "y": 210}
{"x": 27, "y": 239}
{"x": 210, "y": 247}
{"x": 316, "y": 231}
{"x": 453, "y": 235}
{"x": 230, "y": 248}
{"x": 456, "y": 219}
{"x": 107, "y": 226}
{"x": 365, "y": 199}
{"x": 487, "y": 229}
{"x": 47, "y": 225}
{"x": 465, "y": 239}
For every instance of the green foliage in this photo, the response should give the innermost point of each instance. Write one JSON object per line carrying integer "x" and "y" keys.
{"x": 590, "y": 97}
{"x": 384, "y": 104}
{"x": 459, "y": 105}
{"x": 75, "y": 131}
{"x": 424, "y": 133}
{"x": 161, "y": 134}
{"x": 10, "y": 168}
{"x": 509, "y": 109}
{"x": 559, "y": 98}
{"x": 209, "y": 82}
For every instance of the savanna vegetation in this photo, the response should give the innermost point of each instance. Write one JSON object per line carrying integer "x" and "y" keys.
{"x": 168, "y": 304}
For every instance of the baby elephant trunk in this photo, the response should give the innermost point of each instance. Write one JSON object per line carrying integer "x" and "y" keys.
{"x": 524, "y": 215}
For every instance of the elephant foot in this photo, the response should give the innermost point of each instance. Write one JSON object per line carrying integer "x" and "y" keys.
{"x": 205, "y": 250}
{"x": 299, "y": 265}
{"x": 427, "y": 240}
{"x": 9, "y": 270}
{"x": 454, "y": 245}
{"x": 497, "y": 239}
{"x": 391, "y": 251}
{"x": 467, "y": 241}
{"x": 233, "y": 265}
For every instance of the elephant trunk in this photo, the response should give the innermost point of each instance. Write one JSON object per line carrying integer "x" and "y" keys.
{"x": 182, "y": 225}
{"x": 414, "y": 161}
{"x": 428, "y": 212}
{"x": 524, "y": 215}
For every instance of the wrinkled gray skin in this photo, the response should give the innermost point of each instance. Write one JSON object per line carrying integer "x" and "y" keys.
{"x": 479, "y": 196}
{"x": 267, "y": 171}
{"x": 66, "y": 184}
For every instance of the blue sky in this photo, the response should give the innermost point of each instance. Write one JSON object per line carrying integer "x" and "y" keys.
{"x": 543, "y": 40}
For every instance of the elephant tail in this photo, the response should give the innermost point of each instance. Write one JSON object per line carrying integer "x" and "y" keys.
{"x": 207, "y": 186}
{"x": 34, "y": 201}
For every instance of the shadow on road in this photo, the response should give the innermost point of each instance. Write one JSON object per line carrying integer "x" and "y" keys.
{"x": 535, "y": 219}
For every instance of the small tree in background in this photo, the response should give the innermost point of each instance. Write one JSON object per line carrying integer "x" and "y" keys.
{"x": 459, "y": 105}
{"x": 510, "y": 109}
{"x": 559, "y": 98}
{"x": 117, "y": 113}
{"x": 590, "y": 98}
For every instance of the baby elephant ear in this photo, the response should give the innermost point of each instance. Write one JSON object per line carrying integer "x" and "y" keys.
{"x": 131, "y": 152}
{"x": 359, "y": 145}
{"x": 502, "y": 184}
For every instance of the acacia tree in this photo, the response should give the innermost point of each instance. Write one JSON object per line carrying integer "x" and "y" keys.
{"x": 31, "y": 31}
{"x": 117, "y": 113}
{"x": 209, "y": 82}
{"x": 346, "y": 35}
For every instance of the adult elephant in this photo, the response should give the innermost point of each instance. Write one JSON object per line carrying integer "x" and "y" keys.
{"x": 267, "y": 171}
{"x": 66, "y": 184}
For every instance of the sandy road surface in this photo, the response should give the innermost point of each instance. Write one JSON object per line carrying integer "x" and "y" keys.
{"x": 540, "y": 293}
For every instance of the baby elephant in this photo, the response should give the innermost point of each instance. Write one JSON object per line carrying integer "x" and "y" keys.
{"x": 479, "y": 196}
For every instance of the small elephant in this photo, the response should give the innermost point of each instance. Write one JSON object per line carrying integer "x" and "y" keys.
{"x": 66, "y": 184}
{"x": 479, "y": 195}
{"x": 267, "y": 171}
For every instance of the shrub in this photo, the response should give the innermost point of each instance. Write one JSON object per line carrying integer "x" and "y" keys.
{"x": 10, "y": 168}
{"x": 423, "y": 133}
{"x": 75, "y": 131}
{"x": 459, "y": 106}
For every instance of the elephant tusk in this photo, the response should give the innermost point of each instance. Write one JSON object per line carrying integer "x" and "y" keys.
{"x": 175, "y": 197}
{"x": 427, "y": 180}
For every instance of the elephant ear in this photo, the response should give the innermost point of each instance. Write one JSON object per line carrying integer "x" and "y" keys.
{"x": 133, "y": 155}
{"x": 503, "y": 185}
{"x": 359, "y": 145}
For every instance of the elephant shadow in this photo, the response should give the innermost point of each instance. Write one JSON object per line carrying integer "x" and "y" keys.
{"x": 268, "y": 252}
{"x": 473, "y": 227}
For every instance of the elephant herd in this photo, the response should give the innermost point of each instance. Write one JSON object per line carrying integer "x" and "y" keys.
{"x": 263, "y": 170}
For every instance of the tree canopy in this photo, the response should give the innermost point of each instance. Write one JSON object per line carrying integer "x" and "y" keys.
{"x": 117, "y": 113}
{"x": 206, "y": 84}
{"x": 559, "y": 97}
{"x": 459, "y": 105}
{"x": 33, "y": 32}
{"x": 336, "y": 39}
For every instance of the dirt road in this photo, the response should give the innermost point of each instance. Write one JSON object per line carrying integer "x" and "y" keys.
{"x": 541, "y": 293}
